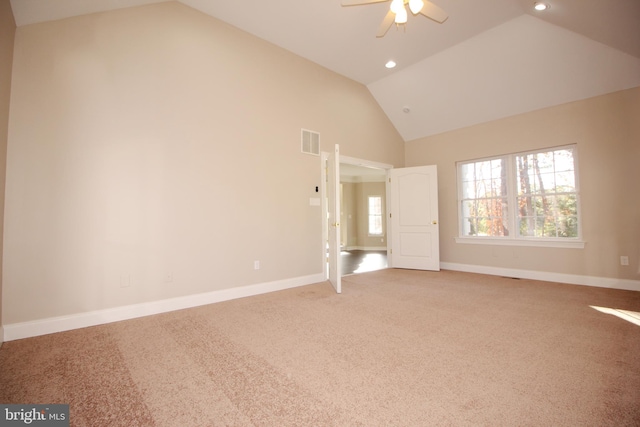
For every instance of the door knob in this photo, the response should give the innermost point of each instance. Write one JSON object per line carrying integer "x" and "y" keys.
{"x": 434, "y": 222}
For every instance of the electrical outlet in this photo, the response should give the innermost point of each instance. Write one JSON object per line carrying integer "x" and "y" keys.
{"x": 256, "y": 265}
{"x": 624, "y": 260}
{"x": 168, "y": 278}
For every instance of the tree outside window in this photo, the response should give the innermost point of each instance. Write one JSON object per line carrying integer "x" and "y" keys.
{"x": 530, "y": 195}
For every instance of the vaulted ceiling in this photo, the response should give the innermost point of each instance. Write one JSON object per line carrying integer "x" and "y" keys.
{"x": 490, "y": 59}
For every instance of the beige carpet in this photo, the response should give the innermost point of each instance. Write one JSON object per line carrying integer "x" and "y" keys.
{"x": 398, "y": 347}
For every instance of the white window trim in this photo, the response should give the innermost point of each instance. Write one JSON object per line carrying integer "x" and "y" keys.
{"x": 505, "y": 241}
{"x": 515, "y": 240}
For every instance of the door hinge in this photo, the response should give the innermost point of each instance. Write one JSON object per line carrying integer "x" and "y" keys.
{"x": 389, "y": 214}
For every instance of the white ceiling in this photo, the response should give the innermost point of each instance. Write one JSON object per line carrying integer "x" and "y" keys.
{"x": 490, "y": 59}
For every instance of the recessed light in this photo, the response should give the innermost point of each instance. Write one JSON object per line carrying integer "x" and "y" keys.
{"x": 540, "y": 6}
{"x": 390, "y": 64}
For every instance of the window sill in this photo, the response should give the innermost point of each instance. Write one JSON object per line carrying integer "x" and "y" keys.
{"x": 573, "y": 244}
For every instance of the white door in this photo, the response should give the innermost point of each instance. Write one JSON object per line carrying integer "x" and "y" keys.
{"x": 333, "y": 193}
{"x": 414, "y": 218}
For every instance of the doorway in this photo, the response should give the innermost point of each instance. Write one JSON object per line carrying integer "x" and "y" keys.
{"x": 413, "y": 236}
{"x": 363, "y": 231}
{"x": 332, "y": 163}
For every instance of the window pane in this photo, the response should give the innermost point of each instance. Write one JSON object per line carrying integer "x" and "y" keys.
{"x": 565, "y": 182}
{"x": 375, "y": 215}
{"x": 550, "y": 216}
{"x": 563, "y": 160}
{"x": 544, "y": 182}
{"x": 484, "y": 188}
{"x": 483, "y": 179}
{"x": 568, "y": 226}
{"x": 543, "y": 162}
{"x": 375, "y": 225}
{"x": 484, "y": 204}
{"x": 545, "y": 196}
{"x": 485, "y": 217}
{"x": 468, "y": 172}
{"x": 547, "y": 202}
{"x": 525, "y": 175}
{"x": 469, "y": 190}
{"x": 375, "y": 206}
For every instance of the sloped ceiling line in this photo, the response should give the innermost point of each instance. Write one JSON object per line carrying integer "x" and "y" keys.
{"x": 520, "y": 66}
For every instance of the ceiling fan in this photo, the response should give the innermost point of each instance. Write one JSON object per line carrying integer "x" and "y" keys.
{"x": 398, "y": 12}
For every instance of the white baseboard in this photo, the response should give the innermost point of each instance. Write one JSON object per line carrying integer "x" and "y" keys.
{"x": 573, "y": 279}
{"x": 35, "y": 328}
{"x": 1, "y": 334}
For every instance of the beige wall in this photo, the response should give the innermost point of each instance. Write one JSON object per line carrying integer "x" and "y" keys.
{"x": 158, "y": 141}
{"x": 355, "y": 214}
{"x": 7, "y": 34}
{"x": 607, "y": 132}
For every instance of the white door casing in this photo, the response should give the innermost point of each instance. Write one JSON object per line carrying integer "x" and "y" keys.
{"x": 333, "y": 192}
{"x": 414, "y": 218}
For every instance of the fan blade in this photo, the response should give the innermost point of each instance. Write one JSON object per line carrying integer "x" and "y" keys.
{"x": 360, "y": 2}
{"x": 386, "y": 24}
{"x": 434, "y": 12}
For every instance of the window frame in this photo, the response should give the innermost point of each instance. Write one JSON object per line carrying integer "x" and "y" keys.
{"x": 514, "y": 239}
{"x": 369, "y": 215}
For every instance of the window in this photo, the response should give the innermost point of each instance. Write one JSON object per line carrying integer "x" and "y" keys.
{"x": 523, "y": 197}
{"x": 375, "y": 215}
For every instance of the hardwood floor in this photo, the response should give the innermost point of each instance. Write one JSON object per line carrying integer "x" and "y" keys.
{"x": 361, "y": 261}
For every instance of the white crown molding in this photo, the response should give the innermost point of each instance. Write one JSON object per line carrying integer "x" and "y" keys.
{"x": 51, "y": 325}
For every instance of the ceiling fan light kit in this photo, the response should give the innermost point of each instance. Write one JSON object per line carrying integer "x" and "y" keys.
{"x": 401, "y": 16}
{"x": 396, "y": 6}
{"x": 416, "y": 6}
{"x": 398, "y": 12}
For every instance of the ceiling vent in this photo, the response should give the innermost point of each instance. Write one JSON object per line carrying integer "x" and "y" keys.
{"x": 310, "y": 142}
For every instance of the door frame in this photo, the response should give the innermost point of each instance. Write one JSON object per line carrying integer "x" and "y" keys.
{"x": 323, "y": 181}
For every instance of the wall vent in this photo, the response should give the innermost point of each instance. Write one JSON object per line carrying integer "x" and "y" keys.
{"x": 310, "y": 142}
